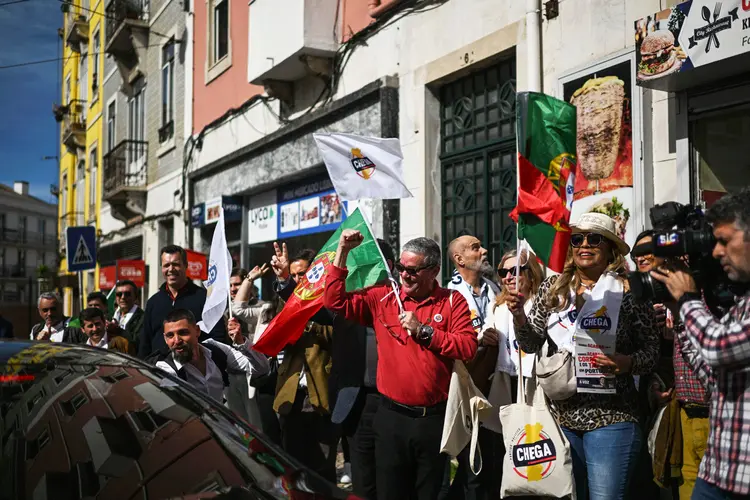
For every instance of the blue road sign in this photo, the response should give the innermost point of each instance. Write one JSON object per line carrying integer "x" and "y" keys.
{"x": 81, "y": 248}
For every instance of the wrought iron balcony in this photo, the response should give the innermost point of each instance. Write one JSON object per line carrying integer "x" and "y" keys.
{"x": 76, "y": 30}
{"x": 74, "y": 125}
{"x": 127, "y": 28}
{"x": 27, "y": 238}
{"x": 125, "y": 180}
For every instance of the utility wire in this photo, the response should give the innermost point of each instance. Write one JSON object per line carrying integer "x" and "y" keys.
{"x": 65, "y": 59}
{"x": 11, "y": 3}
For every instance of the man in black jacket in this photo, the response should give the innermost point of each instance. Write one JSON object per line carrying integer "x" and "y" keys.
{"x": 54, "y": 326}
{"x": 176, "y": 293}
{"x": 127, "y": 320}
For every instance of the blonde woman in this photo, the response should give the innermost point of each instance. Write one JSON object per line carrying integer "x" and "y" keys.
{"x": 591, "y": 296}
{"x": 529, "y": 279}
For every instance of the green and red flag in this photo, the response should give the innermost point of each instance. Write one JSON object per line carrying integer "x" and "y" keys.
{"x": 546, "y": 131}
{"x": 366, "y": 267}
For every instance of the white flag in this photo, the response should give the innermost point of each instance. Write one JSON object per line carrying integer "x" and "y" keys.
{"x": 363, "y": 167}
{"x": 217, "y": 285}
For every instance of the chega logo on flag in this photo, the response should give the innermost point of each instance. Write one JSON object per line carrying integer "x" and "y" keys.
{"x": 212, "y": 273}
{"x": 597, "y": 322}
{"x": 362, "y": 164}
{"x": 312, "y": 284}
{"x": 533, "y": 454}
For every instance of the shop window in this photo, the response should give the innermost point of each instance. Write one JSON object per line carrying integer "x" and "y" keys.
{"x": 721, "y": 152}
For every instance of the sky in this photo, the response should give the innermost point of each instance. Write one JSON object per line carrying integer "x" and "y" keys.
{"x": 28, "y": 32}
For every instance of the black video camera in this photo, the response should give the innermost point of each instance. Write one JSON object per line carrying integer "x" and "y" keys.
{"x": 683, "y": 237}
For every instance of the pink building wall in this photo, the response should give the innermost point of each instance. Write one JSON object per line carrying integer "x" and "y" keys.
{"x": 231, "y": 89}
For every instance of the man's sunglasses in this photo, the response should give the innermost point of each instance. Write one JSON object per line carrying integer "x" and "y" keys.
{"x": 593, "y": 239}
{"x": 411, "y": 271}
{"x": 122, "y": 294}
{"x": 503, "y": 273}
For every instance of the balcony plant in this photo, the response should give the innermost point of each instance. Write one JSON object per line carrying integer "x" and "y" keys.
{"x": 59, "y": 112}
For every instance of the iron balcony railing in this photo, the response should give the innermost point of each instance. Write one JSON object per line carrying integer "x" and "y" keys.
{"x": 17, "y": 271}
{"x": 118, "y": 11}
{"x": 125, "y": 166}
{"x": 27, "y": 237}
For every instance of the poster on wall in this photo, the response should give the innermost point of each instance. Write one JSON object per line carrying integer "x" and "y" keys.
{"x": 604, "y": 144}
{"x": 690, "y": 35}
{"x": 262, "y": 217}
{"x": 310, "y": 206}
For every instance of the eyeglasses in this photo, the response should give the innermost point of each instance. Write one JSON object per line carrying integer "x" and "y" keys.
{"x": 503, "y": 273}
{"x": 390, "y": 330}
{"x": 593, "y": 239}
{"x": 122, "y": 294}
{"x": 411, "y": 271}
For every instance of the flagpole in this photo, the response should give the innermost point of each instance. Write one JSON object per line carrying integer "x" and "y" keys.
{"x": 229, "y": 285}
{"x": 394, "y": 286}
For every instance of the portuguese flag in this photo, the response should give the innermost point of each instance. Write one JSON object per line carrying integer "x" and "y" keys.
{"x": 366, "y": 267}
{"x": 546, "y": 131}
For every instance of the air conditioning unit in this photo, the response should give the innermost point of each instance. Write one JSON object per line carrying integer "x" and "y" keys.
{"x": 290, "y": 39}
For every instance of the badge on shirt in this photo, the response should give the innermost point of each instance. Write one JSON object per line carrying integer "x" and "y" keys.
{"x": 438, "y": 318}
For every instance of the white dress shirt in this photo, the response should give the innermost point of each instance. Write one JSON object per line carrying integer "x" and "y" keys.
{"x": 123, "y": 320}
{"x": 103, "y": 343}
{"x": 212, "y": 383}
{"x": 56, "y": 332}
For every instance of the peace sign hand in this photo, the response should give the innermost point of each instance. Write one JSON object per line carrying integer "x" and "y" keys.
{"x": 257, "y": 272}
{"x": 280, "y": 261}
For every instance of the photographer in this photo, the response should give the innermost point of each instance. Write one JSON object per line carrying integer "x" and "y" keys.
{"x": 723, "y": 352}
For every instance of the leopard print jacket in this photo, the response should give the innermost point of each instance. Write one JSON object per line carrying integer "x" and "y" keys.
{"x": 637, "y": 336}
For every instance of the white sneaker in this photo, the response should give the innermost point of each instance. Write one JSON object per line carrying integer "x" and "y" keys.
{"x": 346, "y": 478}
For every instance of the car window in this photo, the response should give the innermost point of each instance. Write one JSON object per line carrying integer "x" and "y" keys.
{"x": 124, "y": 431}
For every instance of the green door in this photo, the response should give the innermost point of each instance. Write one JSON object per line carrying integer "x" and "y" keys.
{"x": 478, "y": 158}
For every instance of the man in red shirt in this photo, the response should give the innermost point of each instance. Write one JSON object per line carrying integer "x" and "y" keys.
{"x": 416, "y": 349}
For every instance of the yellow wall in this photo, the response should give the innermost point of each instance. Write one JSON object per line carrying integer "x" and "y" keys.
{"x": 94, "y": 125}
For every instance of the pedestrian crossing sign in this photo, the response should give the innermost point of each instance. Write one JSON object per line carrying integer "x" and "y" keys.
{"x": 81, "y": 248}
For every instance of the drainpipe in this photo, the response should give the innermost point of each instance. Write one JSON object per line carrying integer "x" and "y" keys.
{"x": 534, "y": 45}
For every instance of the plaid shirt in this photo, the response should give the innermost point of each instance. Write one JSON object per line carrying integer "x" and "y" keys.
{"x": 722, "y": 362}
{"x": 687, "y": 385}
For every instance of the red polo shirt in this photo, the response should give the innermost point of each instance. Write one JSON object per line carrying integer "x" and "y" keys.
{"x": 408, "y": 372}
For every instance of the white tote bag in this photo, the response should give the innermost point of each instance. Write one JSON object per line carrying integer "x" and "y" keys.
{"x": 537, "y": 460}
{"x": 462, "y": 415}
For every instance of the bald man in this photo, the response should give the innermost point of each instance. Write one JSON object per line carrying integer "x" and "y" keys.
{"x": 470, "y": 260}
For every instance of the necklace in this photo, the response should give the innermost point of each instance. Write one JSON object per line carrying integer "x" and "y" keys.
{"x": 588, "y": 287}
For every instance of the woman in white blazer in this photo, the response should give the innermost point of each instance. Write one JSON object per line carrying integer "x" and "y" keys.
{"x": 504, "y": 380}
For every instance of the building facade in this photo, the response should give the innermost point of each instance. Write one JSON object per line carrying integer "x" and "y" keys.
{"x": 144, "y": 91}
{"x": 80, "y": 117}
{"x": 441, "y": 76}
{"x": 28, "y": 251}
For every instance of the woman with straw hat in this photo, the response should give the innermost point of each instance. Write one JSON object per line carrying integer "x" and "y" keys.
{"x": 591, "y": 299}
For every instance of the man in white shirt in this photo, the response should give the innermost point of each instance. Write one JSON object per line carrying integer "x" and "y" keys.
{"x": 54, "y": 325}
{"x": 204, "y": 365}
{"x": 93, "y": 323}
{"x": 128, "y": 318}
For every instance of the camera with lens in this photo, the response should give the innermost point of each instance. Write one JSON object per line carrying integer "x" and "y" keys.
{"x": 684, "y": 239}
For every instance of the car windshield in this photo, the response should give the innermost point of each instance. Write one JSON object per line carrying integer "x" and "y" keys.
{"x": 99, "y": 425}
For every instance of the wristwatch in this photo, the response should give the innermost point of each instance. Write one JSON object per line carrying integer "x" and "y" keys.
{"x": 424, "y": 334}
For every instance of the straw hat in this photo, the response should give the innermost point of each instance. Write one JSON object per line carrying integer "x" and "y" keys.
{"x": 597, "y": 223}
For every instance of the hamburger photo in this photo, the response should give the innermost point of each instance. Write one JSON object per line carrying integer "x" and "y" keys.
{"x": 658, "y": 55}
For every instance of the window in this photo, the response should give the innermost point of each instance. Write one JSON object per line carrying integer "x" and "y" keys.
{"x": 220, "y": 35}
{"x": 67, "y": 90}
{"x": 71, "y": 406}
{"x": 115, "y": 377}
{"x": 23, "y": 224}
{"x": 83, "y": 75}
{"x": 95, "y": 66}
{"x": 80, "y": 190}
{"x": 111, "y": 116}
{"x": 34, "y": 446}
{"x": 93, "y": 168}
{"x": 136, "y": 123}
{"x": 21, "y": 262}
{"x": 64, "y": 193}
{"x": 41, "y": 226}
{"x": 167, "y": 82}
{"x": 33, "y": 400}
{"x": 147, "y": 420}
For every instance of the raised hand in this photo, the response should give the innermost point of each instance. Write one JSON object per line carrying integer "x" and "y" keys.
{"x": 257, "y": 272}
{"x": 280, "y": 261}
{"x": 235, "y": 331}
{"x": 350, "y": 239}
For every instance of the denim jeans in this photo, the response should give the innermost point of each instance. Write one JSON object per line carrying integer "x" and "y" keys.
{"x": 707, "y": 491}
{"x": 604, "y": 460}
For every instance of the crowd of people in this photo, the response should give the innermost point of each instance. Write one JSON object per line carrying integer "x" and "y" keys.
{"x": 373, "y": 366}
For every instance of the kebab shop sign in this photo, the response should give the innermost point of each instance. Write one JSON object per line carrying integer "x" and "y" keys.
{"x": 133, "y": 270}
